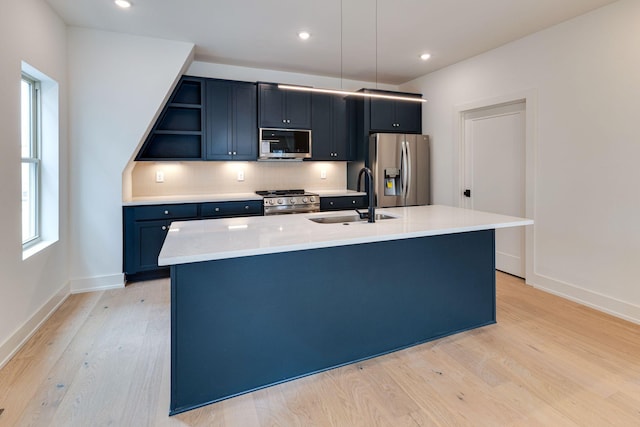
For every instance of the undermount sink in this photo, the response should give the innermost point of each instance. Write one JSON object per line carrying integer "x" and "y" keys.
{"x": 345, "y": 219}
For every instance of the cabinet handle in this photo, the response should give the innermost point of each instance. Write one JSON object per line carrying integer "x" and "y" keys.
{"x": 164, "y": 227}
{"x": 166, "y": 212}
{"x": 353, "y": 201}
{"x": 288, "y": 121}
{"x": 217, "y": 209}
{"x": 229, "y": 152}
{"x": 246, "y": 207}
{"x": 331, "y": 203}
{"x": 234, "y": 153}
{"x": 284, "y": 120}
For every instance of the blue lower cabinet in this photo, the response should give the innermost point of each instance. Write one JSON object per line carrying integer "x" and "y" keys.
{"x": 342, "y": 203}
{"x": 231, "y": 209}
{"x": 145, "y": 228}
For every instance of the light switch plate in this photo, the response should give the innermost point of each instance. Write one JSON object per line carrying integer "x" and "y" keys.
{"x": 323, "y": 174}
{"x": 159, "y": 176}
{"x": 240, "y": 175}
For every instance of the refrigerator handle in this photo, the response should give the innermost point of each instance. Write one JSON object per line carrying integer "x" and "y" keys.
{"x": 405, "y": 172}
{"x": 409, "y": 170}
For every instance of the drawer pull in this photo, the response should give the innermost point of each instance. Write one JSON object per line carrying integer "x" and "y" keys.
{"x": 164, "y": 227}
{"x": 246, "y": 207}
{"x": 217, "y": 209}
{"x": 353, "y": 201}
{"x": 166, "y": 212}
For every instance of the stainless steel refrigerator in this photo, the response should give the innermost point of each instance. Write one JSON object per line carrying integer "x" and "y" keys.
{"x": 401, "y": 169}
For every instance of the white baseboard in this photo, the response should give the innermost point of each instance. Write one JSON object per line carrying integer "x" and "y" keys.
{"x": 100, "y": 283}
{"x": 604, "y": 303}
{"x": 15, "y": 342}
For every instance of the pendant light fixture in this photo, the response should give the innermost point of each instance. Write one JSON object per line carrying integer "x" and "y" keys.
{"x": 351, "y": 93}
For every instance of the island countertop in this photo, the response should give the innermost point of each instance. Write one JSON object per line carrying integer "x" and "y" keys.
{"x": 205, "y": 240}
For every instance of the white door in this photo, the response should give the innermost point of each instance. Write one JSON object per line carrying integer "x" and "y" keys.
{"x": 494, "y": 150}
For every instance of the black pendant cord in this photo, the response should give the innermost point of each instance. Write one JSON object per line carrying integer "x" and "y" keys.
{"x": 341, "y": 44}
{"x": 376, "y": 44}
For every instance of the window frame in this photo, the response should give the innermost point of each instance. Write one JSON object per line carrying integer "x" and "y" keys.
{"x": 34, "y": 160}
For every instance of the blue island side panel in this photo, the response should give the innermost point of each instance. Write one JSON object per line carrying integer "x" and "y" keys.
{"x": 241, "y": 324}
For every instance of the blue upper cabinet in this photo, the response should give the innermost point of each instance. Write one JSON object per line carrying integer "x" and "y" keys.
{"x": 329, "y": 127}
{"x": 231, "y": 111}
{"x": 281, "y": 108}
{"x": 178, "y": 134}
{"x": 387, "y": 115}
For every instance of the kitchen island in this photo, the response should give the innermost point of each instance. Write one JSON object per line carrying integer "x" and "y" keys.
{"x": 260, "y": 300}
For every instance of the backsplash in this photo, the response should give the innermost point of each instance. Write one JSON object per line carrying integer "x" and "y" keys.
{"x": 190, "y": 178}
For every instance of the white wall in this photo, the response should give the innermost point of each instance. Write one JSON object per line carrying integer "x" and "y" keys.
{"x": 586, "y": 76}
{"x": 119, "y": 82}
{"x": 29, "y": 289}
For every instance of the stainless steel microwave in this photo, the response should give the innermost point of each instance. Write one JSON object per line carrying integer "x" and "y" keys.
{"x": 284, "y": 144}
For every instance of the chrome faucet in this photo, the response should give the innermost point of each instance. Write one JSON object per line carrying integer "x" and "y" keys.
{"x": 371, "y": 210}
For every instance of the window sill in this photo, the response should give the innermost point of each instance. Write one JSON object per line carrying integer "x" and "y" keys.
{"x": 38, "y": 247}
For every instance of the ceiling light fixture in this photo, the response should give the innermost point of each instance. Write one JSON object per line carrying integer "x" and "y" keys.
{"x": 349, "y": 93}
{"x": 425, "y": 56}
{"x": 346, "y": 92}
{"x": 123, "y": 3}
{"x": 304, "y": 35}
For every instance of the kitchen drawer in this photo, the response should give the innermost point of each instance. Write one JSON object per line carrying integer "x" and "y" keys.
{"x": 228, "y": 209}
{"x": 166, "y": 211}
{"x": 342, "y": 203}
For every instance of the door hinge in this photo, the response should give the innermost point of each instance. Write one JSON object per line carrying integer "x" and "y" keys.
{"x": 467, "y": 193}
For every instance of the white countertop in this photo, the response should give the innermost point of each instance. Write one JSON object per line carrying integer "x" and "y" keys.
{"x": 205, "y": 240}
{"x": 223, "y": 197}
{"x": 190, "y": 198}
{"x": 337, "y": 193}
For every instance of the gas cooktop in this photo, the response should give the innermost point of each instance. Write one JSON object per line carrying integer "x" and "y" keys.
{"x": 289, "y": 201}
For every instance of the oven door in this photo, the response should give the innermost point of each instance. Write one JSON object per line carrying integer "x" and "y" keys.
{"x": 285, "y": 144}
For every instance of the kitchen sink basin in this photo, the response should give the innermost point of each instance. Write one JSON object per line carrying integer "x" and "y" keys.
{"x": 345, "y": 219}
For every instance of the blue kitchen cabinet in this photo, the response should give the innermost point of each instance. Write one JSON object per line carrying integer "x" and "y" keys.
{"x": 178, "y": 134}
{"x": 330, "y": 139}
{"x": 338, "y": 203}
{"x": 231, "y": 108}
{"x": 145, "y": 228}
{"x": 387, "y": 115}
{"x": 282, "y": 108}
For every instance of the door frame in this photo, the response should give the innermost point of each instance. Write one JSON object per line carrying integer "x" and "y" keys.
{"x": 530, "y": 98}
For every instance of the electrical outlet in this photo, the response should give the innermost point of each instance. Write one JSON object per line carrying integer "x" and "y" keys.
{"x": 240, "y": 175}
{"x": 323, "y": 174}
{"x": 159, "y": 176}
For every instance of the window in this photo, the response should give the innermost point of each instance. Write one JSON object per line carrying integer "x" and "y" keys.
{"x": 40, "y": 152}
{"x": 31, "y": 160}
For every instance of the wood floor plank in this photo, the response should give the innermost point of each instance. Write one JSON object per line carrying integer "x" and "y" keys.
{"x": 103, "y": 359}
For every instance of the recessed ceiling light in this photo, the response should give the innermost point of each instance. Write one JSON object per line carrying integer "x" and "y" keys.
{"x": 304, "y": 35}
{"x": 425, "y": 56}
{"x": 123, "y": 3}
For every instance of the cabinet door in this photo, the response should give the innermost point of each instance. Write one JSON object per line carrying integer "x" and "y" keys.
{"x": 408, "y": 116}
{"x": 245, "y": 129}
{"x": 341, "y": 148}
{"x": 383, "y": 115}
{"x": 322, "y": 127}
{"x": 298, "y": 110}
{"x": 148, "y": 239}
{"x": 219, "y": 120}
{"x": 272, "y": 106}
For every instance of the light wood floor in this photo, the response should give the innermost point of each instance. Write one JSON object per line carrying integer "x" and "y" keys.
{"x": 103, "y": 359}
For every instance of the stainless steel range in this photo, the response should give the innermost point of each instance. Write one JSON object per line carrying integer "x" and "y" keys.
{"x": 277, "y": 202}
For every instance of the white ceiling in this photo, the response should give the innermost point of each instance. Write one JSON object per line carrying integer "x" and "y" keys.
{"x": 263, "y": 33}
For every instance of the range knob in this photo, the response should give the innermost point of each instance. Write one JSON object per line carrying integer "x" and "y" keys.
{"x": 293, "y": 201}
{"x": 312, "y": 199}
{"x": 305, "y": 200}
{"x": 272, "y": 201}
{"x": 280, "y": 201}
